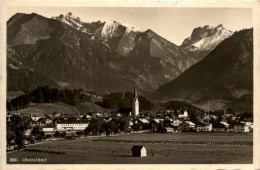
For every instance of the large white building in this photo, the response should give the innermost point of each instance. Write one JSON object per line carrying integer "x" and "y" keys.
{"x": 65, "y": 125}
{"x": 135, "y": 104}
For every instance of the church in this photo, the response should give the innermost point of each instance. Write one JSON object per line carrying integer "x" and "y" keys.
{"x": 135, "y": 104}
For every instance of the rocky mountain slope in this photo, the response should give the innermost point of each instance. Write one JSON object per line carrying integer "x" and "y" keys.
{"x": 226, "y": 74}
{"x": 109, "y": 56}
{"x": 103, "y": 57}
{"x": 204, "y": 39}
{"x": 64, "y": 54}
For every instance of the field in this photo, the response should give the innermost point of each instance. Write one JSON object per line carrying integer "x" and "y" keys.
{"x": 91, "y": 151}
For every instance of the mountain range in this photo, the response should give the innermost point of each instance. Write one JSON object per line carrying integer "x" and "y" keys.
{"x": 65, "y": 51}
{"x": 226, "y": 74}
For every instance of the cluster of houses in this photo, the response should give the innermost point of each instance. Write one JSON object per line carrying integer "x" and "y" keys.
{"x": 161, "y": 122}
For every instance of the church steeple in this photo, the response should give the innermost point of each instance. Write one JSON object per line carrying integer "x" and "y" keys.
{"x": 135, "y": 103}
{"x": 135, "y": 93}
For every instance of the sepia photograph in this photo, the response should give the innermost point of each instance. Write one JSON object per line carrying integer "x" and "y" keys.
{"x": 129, "y": 85}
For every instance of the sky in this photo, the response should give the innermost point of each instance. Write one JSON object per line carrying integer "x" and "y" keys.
{"x": 174, "y": 24}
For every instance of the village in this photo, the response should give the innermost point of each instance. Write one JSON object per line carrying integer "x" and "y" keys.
{"x": 50, "y": 127}
{"x": 105, "y": 124}
{"x": 169, "y": 124}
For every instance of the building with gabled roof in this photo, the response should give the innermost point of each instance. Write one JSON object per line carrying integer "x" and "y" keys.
{"x": 187, "y": 126}
{"x": 184, "y": 114}
{"x": 225, "y": 124}
{"x": 220, "y": 127}
{"x": 138, "y": 151}
{"x": 204, "y": 127}
{"x": 241, "y": 127}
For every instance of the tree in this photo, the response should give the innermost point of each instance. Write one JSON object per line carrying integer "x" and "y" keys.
{"x": 116, "y": 130}
{"x": 111, "y": 126}
{"x": 38, "y": 96}
{"x": 220, "y": 118}
{"x": 123, "y": 124}
{"x": 63, "y": 134}
{"x": 108, "y": 132}
{"x": 137, "y": 126}
{"x": 19, "y": 137}
{"x": 87, "y": 131}
{"x": 10, "y": 136}
{"x": 193, "y": 118}
{"x": 38, "y": 133}
{"x": 212, "y": 121}
{"x": 47, "y": 136}
{"x": 15, "y": 131}
{"x": 56, "y": 134}
{"x": 79, "y": 133}
{"x": 94, "y": 126}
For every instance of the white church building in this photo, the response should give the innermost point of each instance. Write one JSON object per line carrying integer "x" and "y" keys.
{"x": 135, "y": 104}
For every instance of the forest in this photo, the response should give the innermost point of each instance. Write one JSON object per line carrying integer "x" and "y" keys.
{"x": 45, "y": 94}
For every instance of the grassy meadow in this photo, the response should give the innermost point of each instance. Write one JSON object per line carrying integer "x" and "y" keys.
{"x": 91, "y": 151}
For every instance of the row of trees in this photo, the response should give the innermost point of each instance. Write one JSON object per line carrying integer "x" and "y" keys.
{"x": 99, "y": 126}
{"x": 45, "y": 94}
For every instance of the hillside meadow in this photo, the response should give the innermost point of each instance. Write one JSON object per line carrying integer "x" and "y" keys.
{"x": 60, "y": 107}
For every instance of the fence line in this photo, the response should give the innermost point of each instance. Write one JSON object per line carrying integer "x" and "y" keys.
{"x": 245, "y": 143}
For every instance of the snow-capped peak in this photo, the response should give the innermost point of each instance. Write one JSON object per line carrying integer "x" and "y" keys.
{"x": 206, "y": 38}
{"x": 132, "y": 28}
{"x": 113, "y": 28}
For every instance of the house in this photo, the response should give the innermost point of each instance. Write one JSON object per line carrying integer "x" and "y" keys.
{"x": 208, "y": 116}
{"x": 225, "y": 124}
{"x": 204, "y": 127}
{"x": 138, "y": 151}
{"x": 220, "y": 127}
{"x": 99, "y": 115}
{"x": 187, "y": 126}
{"x": 88, "y": 117}
{"x": 241, "y": 127}
{"x": 119, "y": 115}
{"x": 156, "y": 121}
{"x": 184, "y": 114}
{"x": 250, "y": 124}
{"x": 35, "y": 118}
{"x": 44, "y": 121}
{"x": 168, "y": 129}
{"x": 176, "y": 123}
{"x": 227, "y": 115}
{"x": 48, "y": 129}
{"x": 167, "y": 122}
{"x": 130, "y": 124}
{"x": 71, "y": 124}
{"x": 108, "y": 119}
{"x": 144, "y": 123}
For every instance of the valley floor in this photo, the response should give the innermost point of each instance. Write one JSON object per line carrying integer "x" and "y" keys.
{"x": 92, "y": 151}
